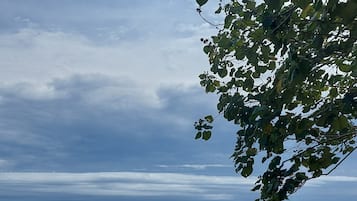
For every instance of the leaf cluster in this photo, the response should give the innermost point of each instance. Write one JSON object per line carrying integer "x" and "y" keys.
{"x": 285, "y": 72}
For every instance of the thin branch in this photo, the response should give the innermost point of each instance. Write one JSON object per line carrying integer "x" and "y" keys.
{"x": 290, "y": 12}
{"x": 339, "y": 163}
{"x": 207, "y": 21}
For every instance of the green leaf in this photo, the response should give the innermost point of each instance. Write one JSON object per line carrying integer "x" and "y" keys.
{"x": 333, "y": 92}
{"x": 302, "y": 3}
{"x": 340, "y": 123}
{"x": 274, "y": 162}
{"x": 201, "y": 2}
{"x": 210, "y": 88}
{"x": 207, "y": 49}
{"x": 222, "y": 72}
{"x": 251, "y": 4}
{"x": 239, "y": 53}
{"x": 345, "y": 68}
{"x": 272, "y": 65}
{"x": 228, "y": 21}
{"x": 306, "y": 10}
{"x": 225, "y": 43}
{"x": 198, "y": 135}
{"x": 209, "y": 118}
{"x": 246, "y": 171}
{"x": 248, "y": 84}
{"x": 219, "y": 10}
{"x": 274, "y": 4}
{"x": 251, "y": 152}
{"x": 301, "y": 176}
{"x": 257, "y": 187}
{"x": 206, "y": 135}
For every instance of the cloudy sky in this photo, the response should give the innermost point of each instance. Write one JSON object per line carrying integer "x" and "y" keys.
{"x": 98, "y": 100}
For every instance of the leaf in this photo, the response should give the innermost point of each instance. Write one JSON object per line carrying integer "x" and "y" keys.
{"x": 251, "y": 151}
{"x": 302, "y": 3}
{"x": 279, "y": 86}
{"x": 257, "y": 187}
{"x": 340, "y": 123}
{"x": 272, "y": 65}
{"x": 246, "y": 171}
{"x": 239, "y": 53}
{"x": 250, "y": 5}
{"x": 201, "y": 2}
{"x": 210, "y": 88}
{"x": 222, "y": 72}
{"x": 207, "y": 49}
{"x": 228, "y": 21}
{"x": 274, "y": 162}
{"x": 274, "y": 4}
{"x": 301, "y": 176}
{"x": 209, "y": 118}
{"x": 248, "y": 84}
{"x": 198, "y": 135}
{"x": 333, "y": 92}
{"x": 206, "y": 135}
{"x": 225, "y": 43}
{"x": 306, "y": 10}
{"x": 219, "y": 10}
{"x": 345, "y": 68}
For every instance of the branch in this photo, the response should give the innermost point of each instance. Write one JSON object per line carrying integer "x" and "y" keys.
{"x": 290, "y": 12}
{"x": 339, "y": 163}
{"x": 207, "y": 21}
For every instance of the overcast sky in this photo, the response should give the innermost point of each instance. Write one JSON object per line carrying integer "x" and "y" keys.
{"x": 98, "y": 100}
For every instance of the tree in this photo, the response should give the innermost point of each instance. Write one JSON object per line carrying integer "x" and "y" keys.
{"x": 285, "y": 73}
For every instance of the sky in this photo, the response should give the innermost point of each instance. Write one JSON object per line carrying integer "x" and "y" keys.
{"x": 98, "y": 100}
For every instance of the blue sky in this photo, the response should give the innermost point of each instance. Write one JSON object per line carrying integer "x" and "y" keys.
{"x": 98, "y": 100}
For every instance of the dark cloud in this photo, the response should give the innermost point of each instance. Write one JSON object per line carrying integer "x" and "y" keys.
{"x": 77, "y": 127}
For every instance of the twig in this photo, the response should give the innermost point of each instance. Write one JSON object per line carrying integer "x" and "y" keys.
{"x": 207, "y": 21}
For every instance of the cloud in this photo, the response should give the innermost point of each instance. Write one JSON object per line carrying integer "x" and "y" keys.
{"x": 40, "y": 56}
{"x": 143, "y": 184}
{"x": 332, "y": 179}
{"x": 98, "y": 122}
{"x": 102, "y": 89}
{"x": 153, "y": 184}
{"x": 196, "y": 166}
{"x": 145, "y": 48}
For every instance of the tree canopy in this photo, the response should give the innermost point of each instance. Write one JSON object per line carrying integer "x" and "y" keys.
{"x": 285, "y": 73}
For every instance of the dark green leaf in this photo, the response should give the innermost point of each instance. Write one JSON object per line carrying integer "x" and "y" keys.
{"x": 228, "y": 21}
{"x": 274, "y": 162}
{"x": 206, "y": 135}
{"x": 198, "y": 135}
{"x": 246, "y": 171}
{"x": 257, "y": 187}
{"x": 201, "y": 2}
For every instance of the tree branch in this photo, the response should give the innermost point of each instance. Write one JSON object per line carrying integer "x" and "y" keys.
{"x": 339, "y": 163}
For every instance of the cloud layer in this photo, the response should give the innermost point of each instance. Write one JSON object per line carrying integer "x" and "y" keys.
{"x": 137, "y": 184}
{"x": 155, "y": 185}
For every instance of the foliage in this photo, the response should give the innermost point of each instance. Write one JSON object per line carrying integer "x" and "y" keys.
{"x": 285, "y": 72}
